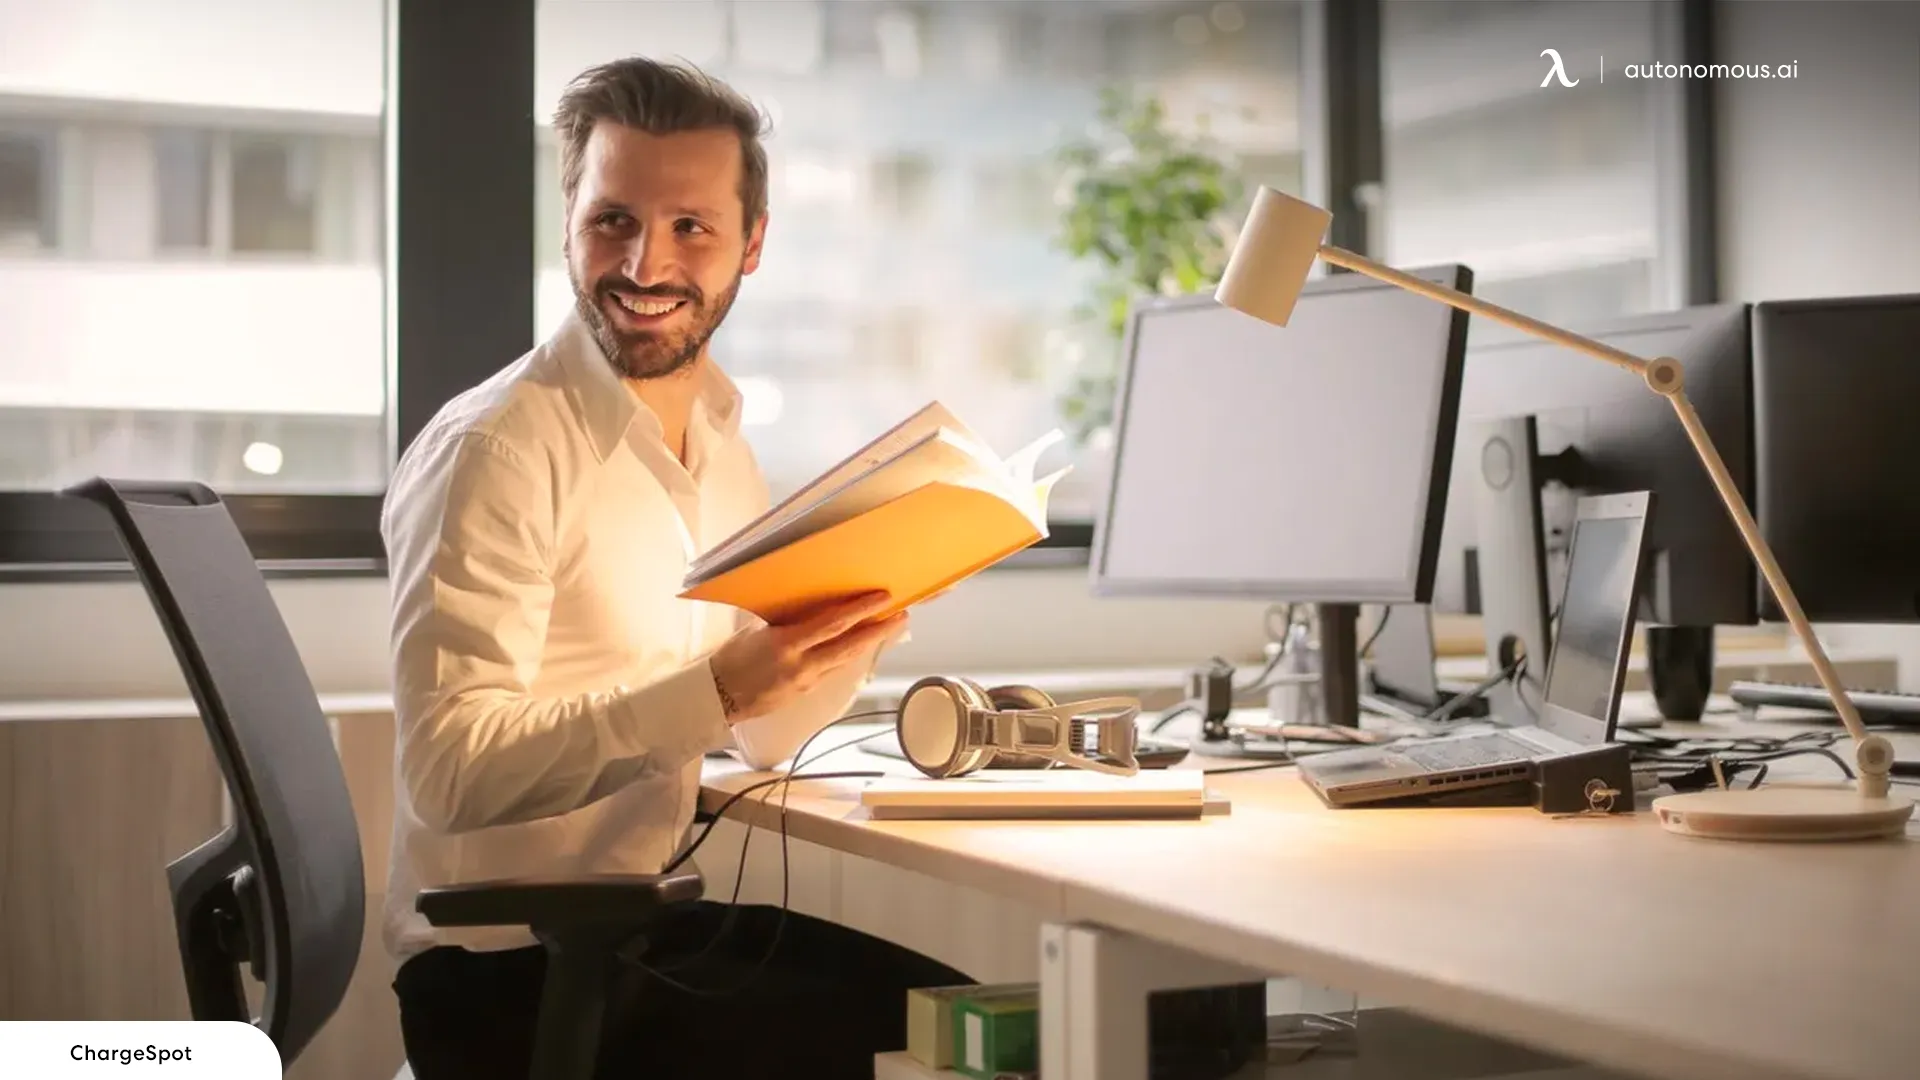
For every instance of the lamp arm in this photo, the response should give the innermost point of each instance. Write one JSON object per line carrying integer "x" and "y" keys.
{"x": 1360, "y": 264}
{"x": 1873, "y": 753}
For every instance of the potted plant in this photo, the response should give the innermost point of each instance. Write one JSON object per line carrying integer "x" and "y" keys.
{"x": 1147, "y": 206}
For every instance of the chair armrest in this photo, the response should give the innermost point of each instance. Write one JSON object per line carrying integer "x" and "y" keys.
{"x": 557, "y": 902}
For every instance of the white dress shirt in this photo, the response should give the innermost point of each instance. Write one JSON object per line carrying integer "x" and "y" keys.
{"x": 552, "y": 695}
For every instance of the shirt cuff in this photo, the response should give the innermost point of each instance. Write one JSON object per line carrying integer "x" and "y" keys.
{"x": 672, "y": 720}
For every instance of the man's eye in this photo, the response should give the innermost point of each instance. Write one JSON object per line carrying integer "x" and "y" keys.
{"x": 612, "y": 221}
{"x": 689, "y": 225}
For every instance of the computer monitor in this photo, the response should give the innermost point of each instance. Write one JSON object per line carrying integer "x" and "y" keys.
{"x": 1598, "y": 429}
{"x": 1836, "y": 384}
{"x": 1308, "y": 463}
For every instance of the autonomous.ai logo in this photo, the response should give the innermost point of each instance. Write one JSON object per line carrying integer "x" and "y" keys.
{"x": 1558, "y": 70}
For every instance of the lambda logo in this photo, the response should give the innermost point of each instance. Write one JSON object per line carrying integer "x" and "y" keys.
{"x": 1558, "y": 70}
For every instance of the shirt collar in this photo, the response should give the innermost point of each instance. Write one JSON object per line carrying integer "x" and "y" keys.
{"x": 608, "y": 408}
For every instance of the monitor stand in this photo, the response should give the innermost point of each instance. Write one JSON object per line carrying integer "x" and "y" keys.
{"x": 1339, "y": 683}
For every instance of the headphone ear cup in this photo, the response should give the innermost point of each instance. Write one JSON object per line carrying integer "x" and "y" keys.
{"x": 971, "y": 758}
{"x": 931, "y": 724}
{"x": 1018, "y": 696}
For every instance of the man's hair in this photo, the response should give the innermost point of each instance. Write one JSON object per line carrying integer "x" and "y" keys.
{"x": 660, "y": 99}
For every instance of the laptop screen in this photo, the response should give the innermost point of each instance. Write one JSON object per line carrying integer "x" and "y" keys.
{"x": 1596, "y": 617}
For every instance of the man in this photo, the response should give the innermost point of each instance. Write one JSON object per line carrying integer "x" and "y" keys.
{"x": 554, "y": 696}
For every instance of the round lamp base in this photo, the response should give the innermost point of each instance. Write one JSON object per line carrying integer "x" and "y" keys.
{"x": 1783, "y": 812}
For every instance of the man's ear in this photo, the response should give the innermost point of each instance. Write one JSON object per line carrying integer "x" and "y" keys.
{"x": 755, "y": 238}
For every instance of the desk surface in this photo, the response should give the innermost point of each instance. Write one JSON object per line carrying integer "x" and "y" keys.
{"x": 1605, "y": 939}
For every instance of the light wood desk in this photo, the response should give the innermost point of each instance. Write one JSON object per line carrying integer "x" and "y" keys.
{"x": 1603, "y": 939}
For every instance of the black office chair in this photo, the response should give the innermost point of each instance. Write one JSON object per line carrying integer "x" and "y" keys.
{"x": 280, "y": 889}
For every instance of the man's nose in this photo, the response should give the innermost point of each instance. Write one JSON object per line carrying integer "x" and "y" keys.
{"x": 650, "y": 258}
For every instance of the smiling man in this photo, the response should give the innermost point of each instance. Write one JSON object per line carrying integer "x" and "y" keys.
{"x": 554, "y": 696}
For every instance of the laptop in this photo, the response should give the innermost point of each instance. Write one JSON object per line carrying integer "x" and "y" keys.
{"x": 1403, "y": 679}
{"x": 1585, "y": 672}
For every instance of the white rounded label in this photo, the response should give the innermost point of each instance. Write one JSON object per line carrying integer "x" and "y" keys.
{"x": 176, "y": 1049}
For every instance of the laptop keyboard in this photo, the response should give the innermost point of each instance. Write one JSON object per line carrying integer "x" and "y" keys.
{"x": 1465, "y": 753}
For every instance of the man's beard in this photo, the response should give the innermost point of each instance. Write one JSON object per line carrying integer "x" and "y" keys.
{"x": 648, "y": 354}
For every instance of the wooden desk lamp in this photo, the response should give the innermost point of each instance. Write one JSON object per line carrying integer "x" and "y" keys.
{"x": 1264, "y": 277}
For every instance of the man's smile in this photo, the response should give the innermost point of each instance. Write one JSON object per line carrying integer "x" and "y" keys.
{"x": 644, "y": 311}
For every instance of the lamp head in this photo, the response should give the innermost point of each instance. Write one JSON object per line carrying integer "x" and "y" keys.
{"x": 1269, "y": 265}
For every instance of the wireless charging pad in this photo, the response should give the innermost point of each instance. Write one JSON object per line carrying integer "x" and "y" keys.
{"x": 1783, "y": 812}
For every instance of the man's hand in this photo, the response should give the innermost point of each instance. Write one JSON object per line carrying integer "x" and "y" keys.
{"x": 763, "y": 669}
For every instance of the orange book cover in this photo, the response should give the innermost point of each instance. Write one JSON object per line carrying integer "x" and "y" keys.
{"x": 921, "y": 508}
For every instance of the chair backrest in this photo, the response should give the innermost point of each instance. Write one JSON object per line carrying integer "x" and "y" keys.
{"x": 282, "y": 889}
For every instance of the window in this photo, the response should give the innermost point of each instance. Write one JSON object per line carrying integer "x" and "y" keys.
{"x": 260, "y": 196}
{"x": 27, "y": 221}
{"x": 912, "y": 250}
{"x": 183, "y": 189}
{"x": 214, "y": 309}
{"x": 274, "y": 194}
{"x": 1552, "y": 194}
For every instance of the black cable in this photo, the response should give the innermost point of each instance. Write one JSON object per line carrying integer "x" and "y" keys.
{"x": 1701, "y": 774}
{"x": 1520, "y": 683}
{"x": 1221, "y": 666}
{"x": 1687, "y": 749}
{"x": 1443, "y": 712}
{"x": 1169, "y": 716}
{"x": 1687, "y": 763}
{"x": 1386, "y": 612}
{"x": 793, "y": 765}
{"x": 786, "y": 877}
{"x": 1286, "y": 621}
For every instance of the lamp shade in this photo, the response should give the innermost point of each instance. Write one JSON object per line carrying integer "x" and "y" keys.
{"x": 1269, "y": 265}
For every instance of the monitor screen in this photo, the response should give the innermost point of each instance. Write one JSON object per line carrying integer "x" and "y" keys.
{"x": 1596, "y": 616}
{"x": 1835, "y": 384}
{"x": 1306, "y": 462}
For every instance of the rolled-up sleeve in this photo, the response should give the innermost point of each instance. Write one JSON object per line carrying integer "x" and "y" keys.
{"x": 470, "y": 535}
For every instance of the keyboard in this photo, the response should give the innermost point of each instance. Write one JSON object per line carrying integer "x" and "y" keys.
{"x": 1468, "y": 752}
{"x": 1875, "y": 706}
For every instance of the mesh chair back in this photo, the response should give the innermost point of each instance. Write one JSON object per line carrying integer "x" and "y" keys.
{"x": 294, "y": 845}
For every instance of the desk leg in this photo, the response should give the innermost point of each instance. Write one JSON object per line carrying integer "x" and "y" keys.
{"x": 1094, "y": 984}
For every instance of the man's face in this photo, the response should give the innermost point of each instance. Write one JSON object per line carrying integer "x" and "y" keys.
{"x": 657, "y": 243}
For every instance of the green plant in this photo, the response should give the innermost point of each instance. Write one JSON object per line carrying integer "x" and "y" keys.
{"x": 1145, "y": 204}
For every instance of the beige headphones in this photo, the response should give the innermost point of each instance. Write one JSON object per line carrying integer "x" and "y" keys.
{"x": 951, "y": 727}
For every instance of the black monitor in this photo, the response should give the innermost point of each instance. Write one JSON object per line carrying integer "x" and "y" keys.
{"x": 1597, "y": 430}
{"x": 1836, "y": 391}
{"x": 1299, "y": 463}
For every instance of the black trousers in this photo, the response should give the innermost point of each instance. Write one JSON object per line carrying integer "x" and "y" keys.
{"x": 710, "y": 1002}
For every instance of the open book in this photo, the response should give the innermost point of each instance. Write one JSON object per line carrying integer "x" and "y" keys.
{"x": 914, "y": 511}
